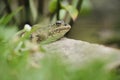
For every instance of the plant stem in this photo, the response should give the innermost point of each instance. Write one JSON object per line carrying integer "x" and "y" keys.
{"x": 58, "y": 9}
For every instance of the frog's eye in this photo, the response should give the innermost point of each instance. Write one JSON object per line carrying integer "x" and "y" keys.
{"x": 58, "y": 23}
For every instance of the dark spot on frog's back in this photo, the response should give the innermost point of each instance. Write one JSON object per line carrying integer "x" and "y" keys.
{"x": 39, "y": 38}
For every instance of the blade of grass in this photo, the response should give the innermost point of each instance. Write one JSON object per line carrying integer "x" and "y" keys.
{"x": 7, "y": 18}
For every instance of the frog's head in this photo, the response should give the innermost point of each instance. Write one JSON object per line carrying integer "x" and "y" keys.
{"x": 59, "y": 28}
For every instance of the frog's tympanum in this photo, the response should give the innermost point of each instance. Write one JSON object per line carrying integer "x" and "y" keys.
{"x": 47, "y": 34}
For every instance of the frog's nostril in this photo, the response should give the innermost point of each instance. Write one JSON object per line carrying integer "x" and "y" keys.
{"x": 65, "y": 24}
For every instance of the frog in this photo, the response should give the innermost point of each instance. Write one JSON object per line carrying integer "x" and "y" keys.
{"x": 50, "y": 33}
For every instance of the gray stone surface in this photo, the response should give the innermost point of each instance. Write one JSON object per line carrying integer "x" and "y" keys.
{"x": 78, "y": 52}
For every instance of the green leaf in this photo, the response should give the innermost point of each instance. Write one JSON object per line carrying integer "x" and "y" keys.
{"x": 7, "y": 18}
{"x": 52, "y": 6}
{"x": 62, "y": 14}
{"x": 71, "y": 10}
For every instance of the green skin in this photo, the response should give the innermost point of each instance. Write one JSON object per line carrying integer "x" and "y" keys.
{"x": 51, "y": 33}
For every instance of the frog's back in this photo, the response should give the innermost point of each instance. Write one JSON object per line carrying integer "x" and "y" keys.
{"x": 39, "y": 34}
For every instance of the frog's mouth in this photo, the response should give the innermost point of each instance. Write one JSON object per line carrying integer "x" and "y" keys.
{"x": 60, "y": 29}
